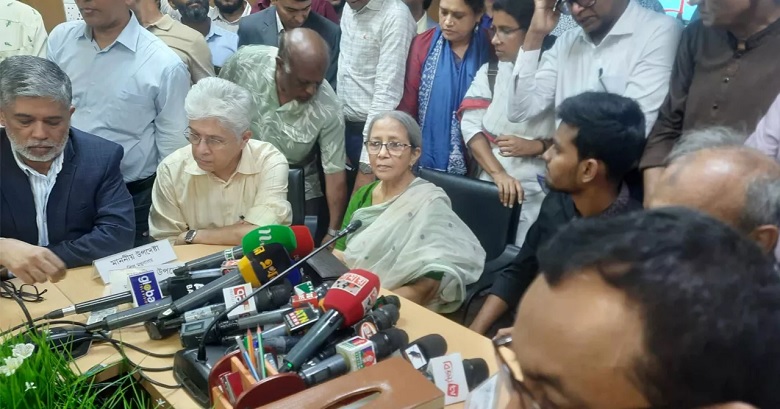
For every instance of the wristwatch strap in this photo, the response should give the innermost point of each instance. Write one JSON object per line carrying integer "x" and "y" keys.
{"x": 332, "y": 232}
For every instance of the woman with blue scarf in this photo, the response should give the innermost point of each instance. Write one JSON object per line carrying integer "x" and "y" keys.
{"x": 442, "y": 63}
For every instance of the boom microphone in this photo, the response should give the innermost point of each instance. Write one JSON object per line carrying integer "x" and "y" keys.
{"x": 347, "y": 301}
{"x": 255, "y": 268}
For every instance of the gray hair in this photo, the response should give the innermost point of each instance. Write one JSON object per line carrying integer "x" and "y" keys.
{"x": 28, "y": 76}
{"x": 413, "y": 130}
{"x": 762, "y": 203}
{"x": 707, "y": 138}
{"x": 217, "y": 98}
{"x": 762, "y": 197}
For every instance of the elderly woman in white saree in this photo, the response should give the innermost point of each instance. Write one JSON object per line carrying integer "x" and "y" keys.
{"x": 509, "y": 154}
{"x": 410, "y": 236}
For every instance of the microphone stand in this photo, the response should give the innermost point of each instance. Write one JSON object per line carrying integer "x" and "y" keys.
{"x": 352, "y": 227}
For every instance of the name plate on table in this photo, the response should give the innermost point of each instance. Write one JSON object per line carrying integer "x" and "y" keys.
{"x": 159, "y": 252}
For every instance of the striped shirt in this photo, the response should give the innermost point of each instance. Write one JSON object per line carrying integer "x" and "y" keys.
{"x": 372, "y": 63}
{"x": 41, "y": 186}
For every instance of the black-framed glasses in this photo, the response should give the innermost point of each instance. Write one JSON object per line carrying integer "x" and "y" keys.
{"x": 502, "y": 32}
{"x": 564, "y": 6}
{"x": 26, "y": 292}
{"x": 507, "y": 375}
{"x": 394, "y": 148}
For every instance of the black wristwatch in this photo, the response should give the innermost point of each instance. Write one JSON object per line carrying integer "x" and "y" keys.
{"x": 190, "y": 236}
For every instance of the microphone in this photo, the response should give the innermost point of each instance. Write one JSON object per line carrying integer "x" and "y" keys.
{"x": 384, "y": 344}
{"x": 166, "y": 286}
{"x": 387, "y": 299}
{"x": 255, "y": 268}
{"x": 419, "y": 352}
{"x": 273, "y": 297}
{"x": 272, "y": 233}
{"x": 304, "y": 240}
{"x": 456, "y": 376}
{"x": 279, "y": 345}
{"x": 377, "y": 320}
{"x": 132, "y": 316}
{"x": 351, "y": 227}
{"x": 211, "y": 261}
{"x": 252, "y": 321}
{"x": 347, "y": 301}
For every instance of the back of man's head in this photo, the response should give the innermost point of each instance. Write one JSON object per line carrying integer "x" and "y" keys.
{"x": 710, "y": 170}
{"x": 304, "y": 49}
{"x": 708, "y": 300}
{"x": 610, "y": 128}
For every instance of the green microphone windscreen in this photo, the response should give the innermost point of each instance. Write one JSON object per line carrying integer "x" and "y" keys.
{"x": 273, "y": 233}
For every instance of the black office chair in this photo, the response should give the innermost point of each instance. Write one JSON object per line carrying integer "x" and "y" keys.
{"x": 296, "y": 195}
{"x": 476, "y": 203}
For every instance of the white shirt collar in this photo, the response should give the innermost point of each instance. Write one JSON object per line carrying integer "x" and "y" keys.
{"x": 279, "y": 25}
{"x": 54, "y": 169}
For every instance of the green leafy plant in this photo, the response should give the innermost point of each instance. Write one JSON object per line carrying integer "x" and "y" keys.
{"x": 33, "y": 375}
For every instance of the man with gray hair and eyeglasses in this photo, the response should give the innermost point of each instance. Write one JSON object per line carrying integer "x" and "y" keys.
{"x": 226, "y": 183}
{"x": 43, "y": 161}
{"x": 710, "y": 170}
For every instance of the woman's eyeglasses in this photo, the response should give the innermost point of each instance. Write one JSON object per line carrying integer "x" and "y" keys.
{"x": 502, "y": 32}
{"x": 394, "y": 148}
{"x": 564, "y": 6}
{"x": 26, "y": 292}
{"x": 508, "y": 378}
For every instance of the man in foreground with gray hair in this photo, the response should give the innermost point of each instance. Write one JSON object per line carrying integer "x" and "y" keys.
{"x": 711, "y": 171}
{"x": 226, "y": 183}
{"x": 44, "y": 161}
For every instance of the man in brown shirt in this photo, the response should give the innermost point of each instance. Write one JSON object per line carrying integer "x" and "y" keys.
{"x": 187, "y": 43}
{"x": 725, "y": 73}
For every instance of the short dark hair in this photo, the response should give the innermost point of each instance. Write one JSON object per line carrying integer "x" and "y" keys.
{"x": 520, "y": 10}
{"x": 611, "y": 128}
{"x": 427, "y": 4}
{"x": 477, "y": 6}
{"x": 708, "y": 297}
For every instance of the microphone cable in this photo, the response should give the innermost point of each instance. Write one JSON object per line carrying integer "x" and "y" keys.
{"x": 11, "y": 291}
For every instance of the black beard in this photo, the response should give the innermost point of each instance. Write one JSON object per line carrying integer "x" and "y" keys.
{"x": 228, "y": 8}
{"x": 196, "y": 15}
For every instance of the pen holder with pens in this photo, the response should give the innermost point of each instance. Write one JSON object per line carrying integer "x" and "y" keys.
{"x": 253, "y": 393}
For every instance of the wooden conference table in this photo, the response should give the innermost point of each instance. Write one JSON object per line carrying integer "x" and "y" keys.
{"x": 79, "y": 286}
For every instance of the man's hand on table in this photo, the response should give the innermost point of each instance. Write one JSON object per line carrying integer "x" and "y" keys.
{"x": 31, "y": 264}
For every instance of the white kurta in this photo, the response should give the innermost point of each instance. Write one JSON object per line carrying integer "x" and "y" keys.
{"x": 494, "y": 121}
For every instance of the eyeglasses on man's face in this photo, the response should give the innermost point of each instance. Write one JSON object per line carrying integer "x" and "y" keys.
{"x": 564, "y": 6}
{"x": 394, "y": 148}
{"x": 507, "y": 376}
{"x": 211, "y": 141}
{"x": 26, "y": 292}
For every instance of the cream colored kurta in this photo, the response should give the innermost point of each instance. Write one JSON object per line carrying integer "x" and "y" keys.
{"x": 187, "y": 197}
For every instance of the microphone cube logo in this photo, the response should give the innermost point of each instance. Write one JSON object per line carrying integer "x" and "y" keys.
{"x": 350, "y": 282}
{"x": 145, "y": 288}
{"x": 358, "y": 352}
{"x": 233, "y": 295}
{"x": 452, "y": 387}
{"x": 300, "y": 318}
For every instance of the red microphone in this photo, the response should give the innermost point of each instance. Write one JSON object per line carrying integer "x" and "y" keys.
{"x": 304, "y": 240}
{"x": 348, "y": 300}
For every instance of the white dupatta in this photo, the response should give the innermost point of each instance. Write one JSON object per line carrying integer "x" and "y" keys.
{"x": 413, "y": 234}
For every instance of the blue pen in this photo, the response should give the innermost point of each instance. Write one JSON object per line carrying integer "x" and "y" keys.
{"x": 247, "y": 360}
